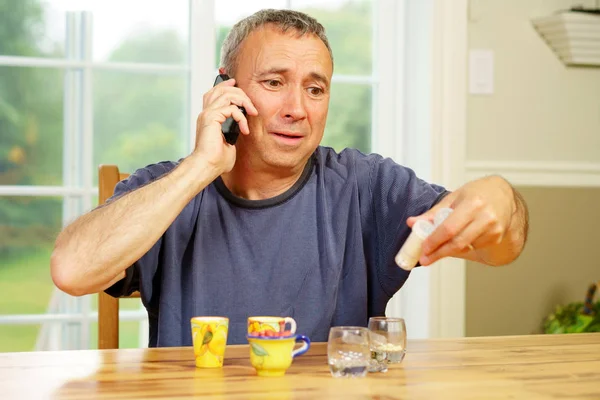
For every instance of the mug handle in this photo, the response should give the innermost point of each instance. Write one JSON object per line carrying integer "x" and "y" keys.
{"x": 292, "y": 322}
{"x": 304, "y": 348}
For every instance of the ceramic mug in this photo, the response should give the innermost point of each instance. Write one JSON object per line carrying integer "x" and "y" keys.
{"x": 209, "y": 336}
{"x": 272, "y": 356}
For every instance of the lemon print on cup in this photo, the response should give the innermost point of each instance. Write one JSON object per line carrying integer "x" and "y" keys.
{"x": 209, "y": 336}
{"x": 272, "y": 356}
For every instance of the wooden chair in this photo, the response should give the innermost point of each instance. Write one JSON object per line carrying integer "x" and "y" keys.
{"x": 108, "y": 306}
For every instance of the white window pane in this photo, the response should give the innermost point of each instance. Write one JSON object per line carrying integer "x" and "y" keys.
{"x": 157, "y": 31}
{"x": 32, "y": 28}
{"x": 348, "y": 25}
{"x": 31, "y": 126}
{"x": 349, "y": 117}
{"x": 140, "y": 31}
{"x": 139, "y": 119}
{"x": 228, "y": 12}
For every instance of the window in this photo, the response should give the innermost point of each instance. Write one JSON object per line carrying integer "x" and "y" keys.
{"x": 85, "y": 82}
{"x": 80, "y": 85}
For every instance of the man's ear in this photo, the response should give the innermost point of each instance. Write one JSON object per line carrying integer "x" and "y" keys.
{"x": 221, "y": 70}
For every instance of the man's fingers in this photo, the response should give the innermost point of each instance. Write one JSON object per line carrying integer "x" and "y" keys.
{"x": 249, "y": 106}
{"x": 234, "y": 112}
{"x": 464, "y": 241}
{"x": 493, "y": 232}
{"x": 227, "y": 96}
{"x": 239, "y": 99}
{"x": 454, "y": 224}
{"x": 215, "y": 92}
{"x": 241, "y": 120}
{"x": 221, "y": 114}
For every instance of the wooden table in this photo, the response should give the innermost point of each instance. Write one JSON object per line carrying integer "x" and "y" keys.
{"x": 528, "y": 367}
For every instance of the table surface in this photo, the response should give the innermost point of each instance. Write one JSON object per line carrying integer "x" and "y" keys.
{"x": 528, "y": 367}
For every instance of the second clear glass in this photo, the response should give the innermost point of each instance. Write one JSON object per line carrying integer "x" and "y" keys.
{"x": 387, "y": 342}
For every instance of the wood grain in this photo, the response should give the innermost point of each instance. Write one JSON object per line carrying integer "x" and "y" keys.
{"x": 528, "y": 367}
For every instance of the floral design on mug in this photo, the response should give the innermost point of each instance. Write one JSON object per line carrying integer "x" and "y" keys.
{"x": 267, "y": 330}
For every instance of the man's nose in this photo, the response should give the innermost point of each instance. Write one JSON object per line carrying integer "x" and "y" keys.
{"x": 293, "y": 106}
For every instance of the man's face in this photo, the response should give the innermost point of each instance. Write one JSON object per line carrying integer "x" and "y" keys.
{"x": 288, "y": 79}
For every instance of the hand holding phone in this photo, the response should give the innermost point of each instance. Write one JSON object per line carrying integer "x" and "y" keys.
{"x": 219, "y": 124}
{"x": 230, "y": 128}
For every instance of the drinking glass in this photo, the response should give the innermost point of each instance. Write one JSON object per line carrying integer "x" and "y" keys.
{"x": 348, "y": 351}
{"x": 387, "y": 341}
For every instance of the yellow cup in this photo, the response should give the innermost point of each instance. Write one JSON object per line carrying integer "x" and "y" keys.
{"x": 272, "y": 356}
{"x": 271, "y": 326}
{"x": 209, "y": 336}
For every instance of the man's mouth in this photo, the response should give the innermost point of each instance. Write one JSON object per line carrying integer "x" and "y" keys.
{"x": 288, "y": 135}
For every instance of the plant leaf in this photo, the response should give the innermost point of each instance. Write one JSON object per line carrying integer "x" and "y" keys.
{"x": 207, "y": 337}
{"x": 258, "y": 349}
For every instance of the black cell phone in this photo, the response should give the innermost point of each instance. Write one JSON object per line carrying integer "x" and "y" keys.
{"x": 230, "y": 128}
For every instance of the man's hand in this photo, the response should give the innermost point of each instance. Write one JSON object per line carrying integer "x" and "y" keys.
{"x": 489, "y": 224}
{"x": 220, "y": 103}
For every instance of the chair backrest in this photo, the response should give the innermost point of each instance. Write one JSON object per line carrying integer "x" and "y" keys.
{"x": 108, "y": 306}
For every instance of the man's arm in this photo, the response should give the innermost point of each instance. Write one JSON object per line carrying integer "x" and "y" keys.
{"x": 93, "y": 252}
{"x": 489, "y": 224}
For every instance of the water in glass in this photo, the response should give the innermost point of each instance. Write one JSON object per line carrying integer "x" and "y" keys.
{"x": 348, "y": 351}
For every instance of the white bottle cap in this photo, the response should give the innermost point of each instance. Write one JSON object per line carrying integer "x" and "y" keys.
{"x": 441, "y": 216}
{"x": 410, "y": 252}
{"x": 423, "y": 228}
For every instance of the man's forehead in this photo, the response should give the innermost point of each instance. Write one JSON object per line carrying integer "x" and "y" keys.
{"x": 270, "y": 50}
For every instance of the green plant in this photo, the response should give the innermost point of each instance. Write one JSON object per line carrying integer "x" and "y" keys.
{"x": 576, "y": 317}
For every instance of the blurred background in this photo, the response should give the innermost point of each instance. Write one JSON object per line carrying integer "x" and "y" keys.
{"x": 89, "y": 82}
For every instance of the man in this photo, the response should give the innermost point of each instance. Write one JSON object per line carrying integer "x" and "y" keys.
{"x": 275, "y": 225}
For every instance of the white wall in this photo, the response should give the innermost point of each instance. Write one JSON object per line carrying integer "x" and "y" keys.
{"x": 558, "y": 265}
{"x": 540, "y": 110}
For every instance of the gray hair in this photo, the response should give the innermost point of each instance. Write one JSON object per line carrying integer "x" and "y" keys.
{"x": 284, "y": 20}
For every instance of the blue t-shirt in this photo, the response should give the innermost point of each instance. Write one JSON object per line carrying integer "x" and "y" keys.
{"x": 322, "y": 252}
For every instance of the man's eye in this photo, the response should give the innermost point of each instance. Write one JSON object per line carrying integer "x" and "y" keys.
{"x": 273, "y": 82}
{"x": 315, "y": 91}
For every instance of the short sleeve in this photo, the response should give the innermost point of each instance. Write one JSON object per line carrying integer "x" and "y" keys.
{"x": 397, "y": 194}
{"x": 147, "y": 265}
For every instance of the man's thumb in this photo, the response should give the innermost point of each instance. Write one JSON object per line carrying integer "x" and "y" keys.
{"x": 429, "y": 215}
